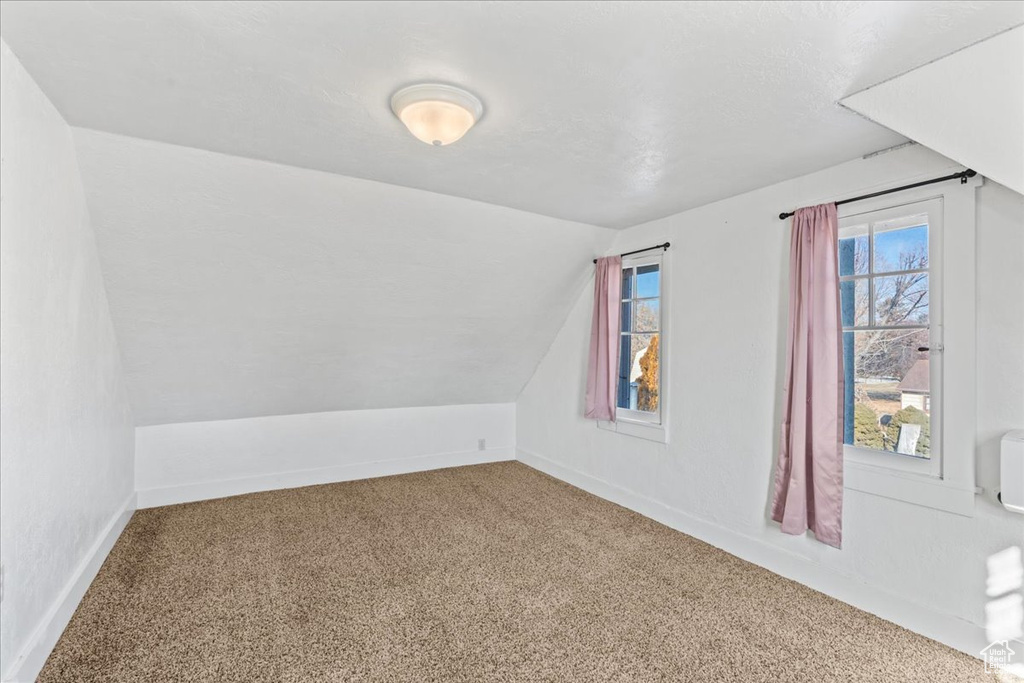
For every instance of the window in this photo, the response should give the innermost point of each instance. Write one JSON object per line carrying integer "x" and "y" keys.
{"x": 941, "y": 475}
{"x": 639, "y": 387}
{"x": 640, "y": 393}
{"x": 890, "y": 326}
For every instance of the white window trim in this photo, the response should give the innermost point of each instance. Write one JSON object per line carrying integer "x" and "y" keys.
{"x": 641, "y": 430}
{"x": 952, "y": 488}
{"x": 635, "y": 423}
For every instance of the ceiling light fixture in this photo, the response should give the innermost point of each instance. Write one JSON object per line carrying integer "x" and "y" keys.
{"x": 437, "y": 114}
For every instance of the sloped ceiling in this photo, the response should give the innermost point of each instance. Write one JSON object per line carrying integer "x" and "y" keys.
{"x": 968, "y": 106}
{"x": 609, "y": 113}
{"x": 243, "y": 288}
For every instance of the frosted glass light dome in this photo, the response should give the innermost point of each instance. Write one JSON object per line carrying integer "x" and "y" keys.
{"x": 436, "y": 114}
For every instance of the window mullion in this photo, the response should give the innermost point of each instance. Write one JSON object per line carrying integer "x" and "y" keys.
{"x": 871, "y": 279}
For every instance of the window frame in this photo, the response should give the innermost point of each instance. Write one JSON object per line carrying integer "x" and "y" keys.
{"x": 641, "y": 424}
{"x": 953, "y": 488}
{"x": 635, "y": 262}
{"x": 933, "y": 207}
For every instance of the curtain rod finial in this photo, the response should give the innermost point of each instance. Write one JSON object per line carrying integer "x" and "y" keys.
{"x": 666, "y": 245}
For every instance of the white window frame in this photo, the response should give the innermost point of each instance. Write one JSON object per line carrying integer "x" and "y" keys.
{"x": 888, "y": 460}
{"x": 950, "y": 484}
{"x": 638, "y": 423}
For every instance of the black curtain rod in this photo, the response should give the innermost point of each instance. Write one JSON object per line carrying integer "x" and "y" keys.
{"x": 962, "y": 175}
{"x": 638, "y": 251}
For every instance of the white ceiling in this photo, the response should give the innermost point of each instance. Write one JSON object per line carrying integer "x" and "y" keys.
{"x": 241, "y": 288}
{"x": 982, "y": 126}
{"x": 605, "y": 113}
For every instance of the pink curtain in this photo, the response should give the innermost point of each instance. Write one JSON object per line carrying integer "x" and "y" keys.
{"x": 603, "y": 367}
{"x": 809, "y": 472}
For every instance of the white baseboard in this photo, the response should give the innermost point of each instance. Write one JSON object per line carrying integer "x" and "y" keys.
{"x": 187, "y": 493}
{"x": 947, "y": 629}
{"x": 32, "y": 657}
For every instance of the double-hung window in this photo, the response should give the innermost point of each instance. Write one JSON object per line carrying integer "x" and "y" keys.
{"x": 908, "y": 301}
{"x": 639, "y": 395}
{"x": 890, "y": 303}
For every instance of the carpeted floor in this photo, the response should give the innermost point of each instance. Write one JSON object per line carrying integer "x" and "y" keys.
{"x": 486, "y": 573}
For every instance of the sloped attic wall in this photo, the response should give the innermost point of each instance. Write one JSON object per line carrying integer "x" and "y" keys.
{"x": 242, "y": 288}
{"x": 979, "y": 123}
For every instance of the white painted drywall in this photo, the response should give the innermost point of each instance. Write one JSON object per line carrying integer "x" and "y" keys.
{"x": 968, "y": 106}
{"x": 727, "y": 304}
{"x": 193, "y": 461}
{"x": 1000, "y": 325}
{"x": 66, "y": 432}
{"x": 609, "y": 113}
{"x": 241, "y": 288}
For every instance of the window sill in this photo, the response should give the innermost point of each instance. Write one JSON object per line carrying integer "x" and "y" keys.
{"x": 917, "y": 489}
{"x": 641, "y": 430}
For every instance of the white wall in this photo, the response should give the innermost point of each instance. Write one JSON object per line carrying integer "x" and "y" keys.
{"x": 727, "y": 299}
{"x": 982, "y": 127}
{"x": 241, "y": 288}
{"x": 65, "y": 427}
{"x": 1000, "y": 324}
{"x": 191, "y": 461}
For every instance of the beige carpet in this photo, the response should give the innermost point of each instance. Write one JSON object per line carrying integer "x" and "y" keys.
{"x": 486, "y": 573}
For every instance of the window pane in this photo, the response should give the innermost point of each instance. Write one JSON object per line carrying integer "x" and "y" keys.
{"x": 643, "y": 373}
{"x": 646, "y": 315}
{"x": 647, "y": 281}
{"x": 853, "y": 255}
{"x": 623, "y": 394}
{"x": 901, "y": 249}
{"x": 627, "y": 283}
{"x": 627, "y": 307}
{"x": 901, "y": 299}
{"x": 888, "y": 400}
{"x": 854, "y": 302}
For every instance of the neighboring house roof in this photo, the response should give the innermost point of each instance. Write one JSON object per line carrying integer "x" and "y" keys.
{"x": 917, "y": 378}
